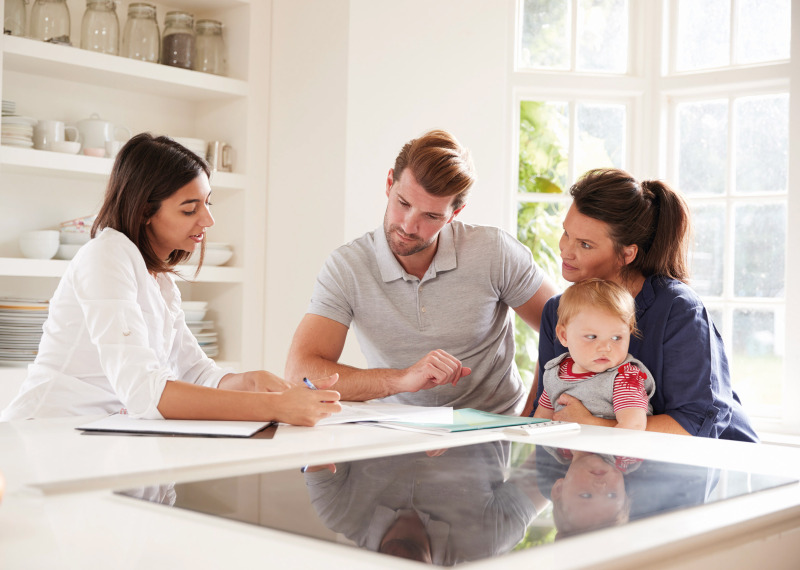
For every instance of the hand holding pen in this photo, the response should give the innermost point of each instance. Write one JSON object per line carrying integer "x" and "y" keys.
{"x": 308, "y": 406}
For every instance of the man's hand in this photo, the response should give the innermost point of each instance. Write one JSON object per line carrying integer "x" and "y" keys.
{"x": 435, "y": 369}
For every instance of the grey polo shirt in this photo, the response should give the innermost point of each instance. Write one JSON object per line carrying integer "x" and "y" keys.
{"x": 461, "y": 305}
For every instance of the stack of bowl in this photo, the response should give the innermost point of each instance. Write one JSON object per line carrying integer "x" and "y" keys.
{"x": 216, "y": 254}
{"x": 39, "y": 244}
{"x": 201, "y": 328}
{"x": 72, "y": 235}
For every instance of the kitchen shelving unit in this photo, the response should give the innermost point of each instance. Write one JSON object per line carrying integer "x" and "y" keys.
{"x": 40, "y": 189}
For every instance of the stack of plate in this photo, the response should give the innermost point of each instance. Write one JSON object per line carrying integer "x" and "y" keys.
{"x": 9, "y": 108}
{"x": 21, "y": 323}
{"x": 203, "y": 330}
{"x": 17, "y": 131}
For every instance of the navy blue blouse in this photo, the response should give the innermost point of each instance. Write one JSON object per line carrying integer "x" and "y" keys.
{"x": 682, "y": 348}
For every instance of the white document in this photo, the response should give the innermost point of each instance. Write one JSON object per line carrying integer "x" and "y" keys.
{"x": 387, "y": 412}
{"x": 125, "y": 424}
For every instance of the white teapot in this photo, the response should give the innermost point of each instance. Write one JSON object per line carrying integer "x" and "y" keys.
{"x": 95, "y": 132}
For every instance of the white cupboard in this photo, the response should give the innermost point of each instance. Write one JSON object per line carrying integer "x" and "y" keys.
{"x": 40, "y": 189}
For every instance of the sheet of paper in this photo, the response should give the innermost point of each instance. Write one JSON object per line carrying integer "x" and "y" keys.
{"x": 387, "y": 412}
{"x": 125, "y": 424}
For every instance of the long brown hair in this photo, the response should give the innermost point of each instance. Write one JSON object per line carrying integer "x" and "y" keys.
{"x": 648, "y": 214}
{"x": 147, "y": 171}
{"x": 440, "y": 164}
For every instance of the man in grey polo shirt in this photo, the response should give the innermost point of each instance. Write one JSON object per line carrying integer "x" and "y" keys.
{"x": 428, "y": 297}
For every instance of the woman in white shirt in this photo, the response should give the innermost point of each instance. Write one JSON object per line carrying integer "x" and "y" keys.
{"x": 116, "y": 337}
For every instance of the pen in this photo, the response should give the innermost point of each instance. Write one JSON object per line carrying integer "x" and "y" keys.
{"x": 308, "y": 383}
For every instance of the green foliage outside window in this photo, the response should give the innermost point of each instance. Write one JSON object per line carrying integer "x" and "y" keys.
{"x": 543, "y": 165}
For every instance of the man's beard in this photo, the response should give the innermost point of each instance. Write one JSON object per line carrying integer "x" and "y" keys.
{"x": 404, "y": 248}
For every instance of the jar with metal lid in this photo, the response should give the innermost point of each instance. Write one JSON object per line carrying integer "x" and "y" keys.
{"x": 14, "y": 17}
{"x": 178, "y": 43}
{"x": 141, "y": 38}
{"x": 210, "y": 48}
{"x": 50, "y": 21}
{"x": 100, "y": 27}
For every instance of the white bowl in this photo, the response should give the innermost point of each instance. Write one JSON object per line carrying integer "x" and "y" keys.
{"x": 194, "y": 305}
{"x": 194, "y": 316}
{"x": 41, "y": 244}
{"x": 69, "y": 147}
{"x": 75, "y": 238}
{"x": 67, "y": 251}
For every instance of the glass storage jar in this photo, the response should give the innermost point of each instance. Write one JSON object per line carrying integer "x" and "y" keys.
{"x": 100, "y": 27}
{"x": 50, "y": 21}
{"x": 14, "y": 17}
{"x": 177, "y": 45}
{"x": 141, "y": 38}
{"x": 210, "y": 48}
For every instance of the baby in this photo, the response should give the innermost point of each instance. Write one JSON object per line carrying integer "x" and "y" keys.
{"x": 596, "y": 319}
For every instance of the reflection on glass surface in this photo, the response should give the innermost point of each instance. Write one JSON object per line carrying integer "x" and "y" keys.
{"x": 702, "y": 147}
{"x": 465, "y": 503}
{"x": 602, "y": 36}
{"x": 546, "y": 31}
{"x": 762, "y": 143}
{"x": 704, "y": 32}
{"x": 759, "y": 250}
{"x": 601, "y": 136}
{"x": 765, "y": 30}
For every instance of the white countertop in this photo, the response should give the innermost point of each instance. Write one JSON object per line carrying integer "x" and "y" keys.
{"x": 59, "y": 510}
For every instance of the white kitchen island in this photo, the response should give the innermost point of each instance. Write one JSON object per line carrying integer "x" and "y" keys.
{"x": 59, "y": 510}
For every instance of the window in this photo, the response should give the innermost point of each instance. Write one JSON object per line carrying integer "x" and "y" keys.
{"x": 714, "y": 123}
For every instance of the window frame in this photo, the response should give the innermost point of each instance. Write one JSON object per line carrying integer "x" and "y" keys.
{"x": 650, "y": 89}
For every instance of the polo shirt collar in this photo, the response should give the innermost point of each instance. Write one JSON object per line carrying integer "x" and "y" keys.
{"x": 390, "y": 268}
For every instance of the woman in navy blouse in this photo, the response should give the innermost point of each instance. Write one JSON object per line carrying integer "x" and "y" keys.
{"x": 637, "y": 234}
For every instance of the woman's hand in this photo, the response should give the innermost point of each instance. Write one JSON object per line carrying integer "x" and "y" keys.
{"x": 299, "y": 405}
{"x": 573, "y": 411}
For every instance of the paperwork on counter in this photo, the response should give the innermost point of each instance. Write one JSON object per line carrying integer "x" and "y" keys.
{"x": 386, "y": 412}
{"x": 124, "y": 424}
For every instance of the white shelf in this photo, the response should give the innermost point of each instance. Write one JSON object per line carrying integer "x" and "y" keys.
{"x": 23, "y": 267}
{"x": 30, "y": 161}
{"x": 25, "y": 55}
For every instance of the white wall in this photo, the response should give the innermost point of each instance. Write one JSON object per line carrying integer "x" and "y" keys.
{"x": 352, "y": 81}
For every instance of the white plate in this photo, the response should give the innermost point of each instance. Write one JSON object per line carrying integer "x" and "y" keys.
{"x": 19, "y": 120}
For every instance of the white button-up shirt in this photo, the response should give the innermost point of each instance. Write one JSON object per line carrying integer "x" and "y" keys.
{"x": 113, "y": 338}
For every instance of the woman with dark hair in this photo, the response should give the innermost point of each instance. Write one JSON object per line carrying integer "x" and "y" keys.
{"x": 637, "y": 235}
{"x": 116, "y": 337}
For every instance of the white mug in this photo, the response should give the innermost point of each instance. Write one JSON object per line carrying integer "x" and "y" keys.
{"x": 46, "y": 132}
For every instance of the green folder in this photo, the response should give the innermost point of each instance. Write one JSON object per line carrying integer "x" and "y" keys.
{"x": 467, "y": 419}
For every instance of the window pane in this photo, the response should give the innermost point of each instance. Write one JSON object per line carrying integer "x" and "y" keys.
{"x": 757, "y": 356}
{"x": 704, "y": 31}
{"x": 702, "y": 147}
{"x": 601, "y": 136}
{"x": 539, "y": 226}
{"x": 707, "y": 257}
{"x": 761, "y": 126}
{"x": 759, "y": 250}
{"x": 545, "y": 41}
{"x": 602, "y": 36}
{"x": 763, "y": 31}
{"x": 543, "y": 146}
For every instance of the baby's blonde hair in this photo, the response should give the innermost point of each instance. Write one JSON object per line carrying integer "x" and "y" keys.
{"x": 600, "y": 294}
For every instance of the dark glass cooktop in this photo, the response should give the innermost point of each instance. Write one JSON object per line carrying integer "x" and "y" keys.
{"x": 463, "y": 503}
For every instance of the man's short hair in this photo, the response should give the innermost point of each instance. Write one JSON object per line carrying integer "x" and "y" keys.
{"x": 440, "y": 164}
